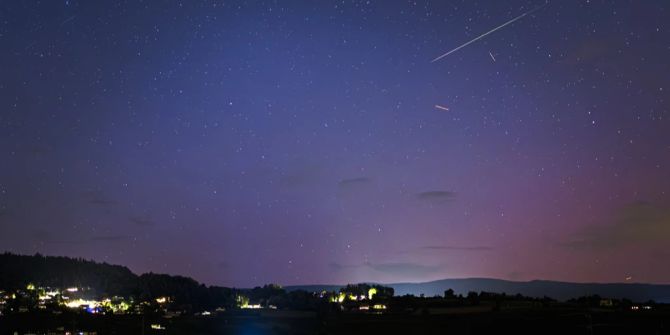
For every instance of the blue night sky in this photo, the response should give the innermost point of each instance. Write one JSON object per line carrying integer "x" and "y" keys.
{"x": 295, "y": 142}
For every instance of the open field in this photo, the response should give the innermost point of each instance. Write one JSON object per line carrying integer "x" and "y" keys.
{"x": 538, "y": 321}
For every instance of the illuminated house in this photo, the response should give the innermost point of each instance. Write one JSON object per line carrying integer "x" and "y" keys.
{"x": 157, "y": 326}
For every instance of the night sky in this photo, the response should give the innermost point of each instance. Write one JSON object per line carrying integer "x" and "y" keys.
{"x": 243, "y": 143}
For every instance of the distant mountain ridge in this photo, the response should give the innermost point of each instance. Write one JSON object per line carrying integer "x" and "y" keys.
{"x": 535, "y": 288}
{"x": 16, "y": 271}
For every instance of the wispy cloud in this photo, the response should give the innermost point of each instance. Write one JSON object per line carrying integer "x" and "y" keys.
{"x": 98, "y": 198}
{"x": 5, "y": 213}
{"x": 404, "y": 268}
{"x": 37, "y": 150}
{"x": 353, "y": 181}
{"x": 108, "y": 238}
{"x": 103, "y": 202}
{"x": 639, "y": 223}
{"x": 141, "y": 221}
{"x": 401, "y": 269}
{"x": 515, "y": 275}
{"x": 456, "y": 248}
{"x": 436, "y": 195}
{"x": 338, "y": 267}
{"x": 306, "y": 175}
{"x": 50, "y": 238}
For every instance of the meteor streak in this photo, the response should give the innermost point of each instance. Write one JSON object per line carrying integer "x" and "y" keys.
{"x": 489, "y": 32}
{"x": 442, "y": 108}
{"x": 68, "y": 19}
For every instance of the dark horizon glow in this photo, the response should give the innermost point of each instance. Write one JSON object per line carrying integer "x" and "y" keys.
{"x": 243, "y": 143}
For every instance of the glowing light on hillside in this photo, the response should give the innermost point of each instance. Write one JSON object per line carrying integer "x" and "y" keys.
{"x": 372, "y": 292}
{"x": 157, "y": 326}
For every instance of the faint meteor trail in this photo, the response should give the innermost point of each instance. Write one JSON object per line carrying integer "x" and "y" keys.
{"x": 494, "y": 59}
{"x": 68, "y": 19}
{"x": 489, "y": 32}
{"x": 442, "y": 108}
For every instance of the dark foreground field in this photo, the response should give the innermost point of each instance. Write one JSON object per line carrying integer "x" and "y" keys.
{"x": 541, "y": 321}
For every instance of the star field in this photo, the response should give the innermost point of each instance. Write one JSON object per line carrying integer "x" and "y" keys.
{"x": 249, "y": 142}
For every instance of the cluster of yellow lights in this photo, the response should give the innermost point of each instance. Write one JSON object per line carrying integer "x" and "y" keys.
{"x": 254, "y": 306}
{"x": 48, "y": 295}
{"x": 81, "y": 302}
{"x": 377, "y": 306}
{"x": 161, "y": 300}
{"x": 339, "y": 298}
{"x": 242, "y": 301}
{"x": 121, "y": 306}
{"x": 342, "y": 296}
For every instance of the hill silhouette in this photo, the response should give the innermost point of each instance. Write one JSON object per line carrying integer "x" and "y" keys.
{"x": 19, "y": 270}
{"x": 16, "y": 271}
{"x": 536, "y": 288}
{"x": 104, "y": 279}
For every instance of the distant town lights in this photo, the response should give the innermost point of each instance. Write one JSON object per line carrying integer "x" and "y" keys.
{"x": 81, "y": 302}
{"x": 250, "y": 306}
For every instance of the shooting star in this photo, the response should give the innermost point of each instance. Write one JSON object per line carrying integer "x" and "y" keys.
{"x": 490, "y": 54}
{"x": 68, "y": 19}
{"x": 442, "y": 108}
{"x": 489, "y": 32}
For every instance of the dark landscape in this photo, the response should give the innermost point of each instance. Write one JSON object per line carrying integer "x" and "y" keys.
{"x": 60, "y": 295}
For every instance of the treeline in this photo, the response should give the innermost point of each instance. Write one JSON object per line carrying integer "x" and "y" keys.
{"x": 186, "y": 294}
{"x": 105, "y": 280}
{"x": 17, "y": 271}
